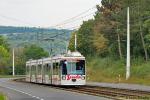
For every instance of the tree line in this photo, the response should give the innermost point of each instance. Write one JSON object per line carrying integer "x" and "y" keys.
{"x": 105, "y": 35}
{"x": 22, "y": 54}
{"x": 13, "y": 29}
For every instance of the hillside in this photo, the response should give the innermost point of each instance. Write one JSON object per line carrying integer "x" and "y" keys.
{"x": 13, "y": 29}
{"x": 20, "y": 36}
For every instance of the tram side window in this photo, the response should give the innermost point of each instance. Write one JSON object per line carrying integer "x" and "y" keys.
{"x": 55, "y": 68}
{"x": 39, "y": 69}
{"x": 33, "y": 70}
{"x": 49, "y": 66}
{"x": 64, "y": 68}
{"x": 47, "y": 69}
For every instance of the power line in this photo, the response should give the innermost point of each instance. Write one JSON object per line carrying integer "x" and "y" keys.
{"x": 70, "y": 28}
{"x": 70, "y": 19}
{"x": 65, "y": 22}
{"x": 78, "y": 15}
{"x": 74, "y": 20}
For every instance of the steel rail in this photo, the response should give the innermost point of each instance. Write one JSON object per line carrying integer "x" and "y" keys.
{"x": 108, "y": 92}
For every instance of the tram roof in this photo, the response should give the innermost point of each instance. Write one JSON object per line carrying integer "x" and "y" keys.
{"x": 70, "y": 55}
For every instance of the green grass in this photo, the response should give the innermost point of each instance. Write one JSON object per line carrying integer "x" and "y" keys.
{"x": 112, "y": 70}
{"x": 10, "y": 76}
{"x": 6, "y": 76}
{"x": 2, "y": 97}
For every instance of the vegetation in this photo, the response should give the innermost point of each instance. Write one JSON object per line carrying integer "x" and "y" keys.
{"x": 106, "y": 34}
{"x": 103, "y": 41}
{"x": 21, "y": 56}
{"x": 34, "y": 52}
{"x": 26, "y": 53}
{"x": 28, "y": 43}
{"x": 26, "y": 30}
{"x": 21, "y": 36}
{"x": 113, "y": 71}
{"x": 2, "y": 97}
{"x": 4, "y": 55}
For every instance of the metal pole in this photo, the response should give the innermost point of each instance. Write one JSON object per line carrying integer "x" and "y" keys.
{"x": 128, "y": 46}
{"x": 66, "y": 46}
{"x": 75, "y": 42}
{"x": 49, "y": 51}
{"x": 13, "y": 62}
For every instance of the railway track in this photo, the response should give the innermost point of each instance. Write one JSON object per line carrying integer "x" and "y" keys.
{"x": 112, "y": 93}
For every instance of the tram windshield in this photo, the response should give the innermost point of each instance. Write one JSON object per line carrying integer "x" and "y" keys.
{"x": 73, "y": 67}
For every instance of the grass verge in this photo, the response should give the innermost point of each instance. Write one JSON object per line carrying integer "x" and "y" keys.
{"x": 10, "y": 76}
{"x": 113, "y": 71}
{"x": 2, "y": 96}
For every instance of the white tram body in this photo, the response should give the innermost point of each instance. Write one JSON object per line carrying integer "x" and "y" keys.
{"x": 66, "y": 69}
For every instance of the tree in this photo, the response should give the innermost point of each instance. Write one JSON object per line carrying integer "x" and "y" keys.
{"x": 109, "y": 24}
{"x": 4, "y": 59}
{"x": 34, "y": 52}
{"x": 146, "y": 26}
{"x": 23, "y": 54}
{"x": 100, "y": 43}
{"x": 20, "y": 61}
{"x": 4, "y": 43}
{"x": 106, "y": 33}
{"x": 84, "y": 39}
{"x": 4, "y": 56}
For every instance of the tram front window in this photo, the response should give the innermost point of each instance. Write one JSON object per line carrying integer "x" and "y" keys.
{"x": 73, "y": 67}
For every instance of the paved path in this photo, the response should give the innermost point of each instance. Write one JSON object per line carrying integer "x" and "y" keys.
{"x": 121, "y": 85}
{"x": 27, "y": 91}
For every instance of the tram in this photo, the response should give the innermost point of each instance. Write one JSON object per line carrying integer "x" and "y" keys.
{"x": 68, "y": 70}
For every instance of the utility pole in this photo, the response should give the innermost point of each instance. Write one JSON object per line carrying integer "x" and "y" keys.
{"x": 49, "y": 40}
{"x": 75, "y": 42}
{"x": 66, "y": 43}
{"x": 13, "y": 62}
{"x": 49, "y": 51}
{"x": 128, "y": 46}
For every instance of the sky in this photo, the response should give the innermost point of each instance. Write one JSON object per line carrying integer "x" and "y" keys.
{"x": 46, "y": 13}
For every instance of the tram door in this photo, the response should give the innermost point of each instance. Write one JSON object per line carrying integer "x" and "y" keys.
{"x": 39, "y": 73}
{"x": 56, "y": 73}
{"x": 47, "y": 74}
{"x": 33, "y": 73}
{"x": 28, "y": 73}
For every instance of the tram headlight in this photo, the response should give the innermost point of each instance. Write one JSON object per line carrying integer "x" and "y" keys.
{"x": 83, "y": 77}
{"x": 63, "y": 77}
